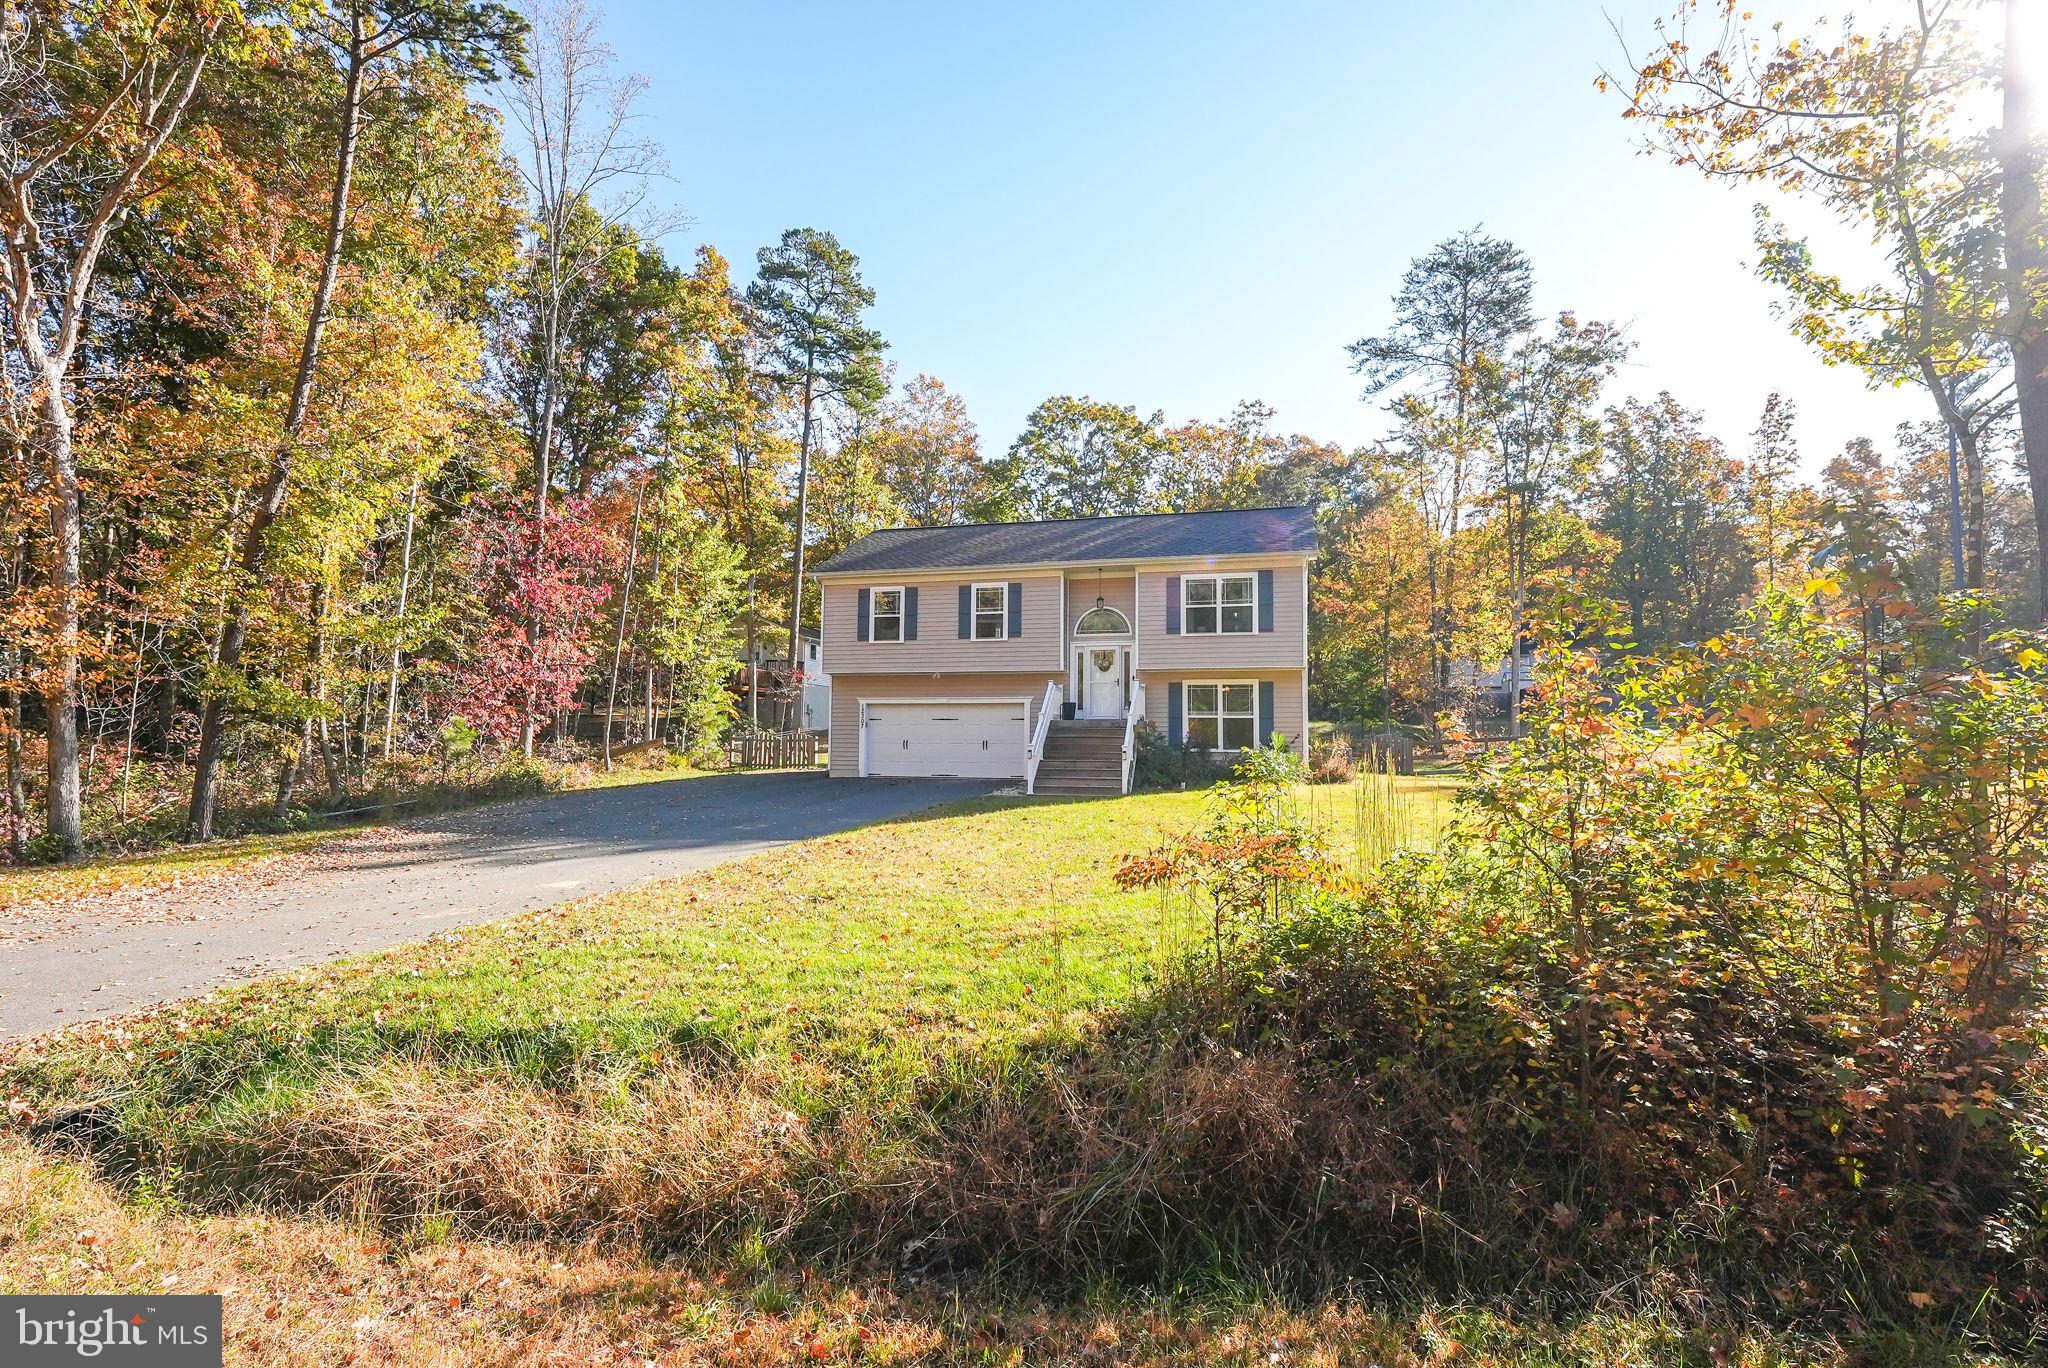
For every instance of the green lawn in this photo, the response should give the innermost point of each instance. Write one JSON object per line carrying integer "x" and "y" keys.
{"x": 869, "y": 955}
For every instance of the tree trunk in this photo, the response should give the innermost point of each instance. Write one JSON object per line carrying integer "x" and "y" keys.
{"x": 362, "y": 761}
{"x": 2026, "y": 271}
{"x": 134, "y": 707}
{"x": 60, "y": 695}
{"x": 803, "y": 482}
{"x": 611, "y": 694}
{"x": 753, "y": 668}
{"x": 404, "y": 587}
{"x": 528, "y": 723}
{"x": 654, "y": 588}
{"x": 270, "y": 498}
{"x": 288, "y": 774}
{"x": 17, "y": 792}
{"x": 336, "y": 786}
{"x": 1387, "y": 631}
{"x": 1516, "y": 535}
{"x": 47, "y": 363}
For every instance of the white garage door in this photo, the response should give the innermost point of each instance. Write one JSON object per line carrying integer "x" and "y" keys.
{"x": 968, "y": 740}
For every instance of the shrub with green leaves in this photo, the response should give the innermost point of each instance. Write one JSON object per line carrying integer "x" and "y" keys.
{"x": 1160, "y": 764}
{"x": 1733, "y": 974}
{"x": 1840, "y": 806}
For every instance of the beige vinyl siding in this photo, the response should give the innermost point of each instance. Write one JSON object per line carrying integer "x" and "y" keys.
{"x": 1279, "y": 648}
{"x": 1118, "y": 592}
{"x": 1288, "y": 698}
{"x": 939, "y": 645}
{"x": 849, "y": 692}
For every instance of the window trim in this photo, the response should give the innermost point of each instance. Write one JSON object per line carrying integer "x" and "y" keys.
{"x": 1188, "y": 607}
{"x": 975, "y": 610}
{"x": 1120, "y": 634}
{"x": 1188, "y": 714}
{"x": 875, "y": 592}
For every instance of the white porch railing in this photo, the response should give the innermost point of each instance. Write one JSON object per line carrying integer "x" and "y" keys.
{"x": 1131, "y": 721}
{"x": 1048, "y": 708}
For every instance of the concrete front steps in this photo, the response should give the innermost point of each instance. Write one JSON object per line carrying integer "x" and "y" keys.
{"x": 1082, "y": 758}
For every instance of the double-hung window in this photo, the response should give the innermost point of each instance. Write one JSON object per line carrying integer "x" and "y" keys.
{"x": 1222, "y": 716}
{"x": 991, "y": 612}
{"x": 885, "y": 615}
{"x": 1219, "y": 603}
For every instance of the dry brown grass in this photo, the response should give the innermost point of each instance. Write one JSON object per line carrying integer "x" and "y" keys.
{"x": 310, "y": 1290}
{"x": 661, "y": 1158}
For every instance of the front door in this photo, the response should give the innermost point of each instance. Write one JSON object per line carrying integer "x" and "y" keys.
{"x": 1102, "y": 682}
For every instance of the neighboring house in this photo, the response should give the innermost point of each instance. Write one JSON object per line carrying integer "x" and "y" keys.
{"x": 990, "y": 650}
{"x": 817, "y": 699}
{"x": 771, "y": 667}
{"x": 1491, "y": 686}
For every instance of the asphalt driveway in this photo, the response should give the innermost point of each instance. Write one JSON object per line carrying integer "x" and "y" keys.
{"x": 407, "y": 883}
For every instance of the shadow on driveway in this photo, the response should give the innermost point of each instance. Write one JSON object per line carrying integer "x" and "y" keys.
{"x": 403, "y": 883}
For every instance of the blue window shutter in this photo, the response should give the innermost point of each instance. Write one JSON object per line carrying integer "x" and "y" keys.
{"x": 1173, "y": 728}
{"x": 910, "y": 614}
{"x": 860, "y": 628}
{"x": 966, "y": 611}
{"x": 1173, "y": 611}
{"x": 1266, "y": 722}
{"x": 1016, "y": 609}
{"x": 1265, "y": 600}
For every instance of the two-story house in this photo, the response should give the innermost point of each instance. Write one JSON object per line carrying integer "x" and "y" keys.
{"x": 1034, "y": 650}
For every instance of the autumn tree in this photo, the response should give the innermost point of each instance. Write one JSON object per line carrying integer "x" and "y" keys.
{"x": 1924, "y": 483}
{"x": 850, "y": 492}
{"x": 1457, "y": 311}
{"x": 514, "y": 575}
{"x": 1243, "y": 462}
{"x": 1909, "y": 130}
{"x": 1670, "y": 498}
{"x": 727, "y": 433}
{"x": 1370, "y": 644}
{"x": 928, "y": 454}
{"x": 619, "y": 322}
{"x": 1773, "y": 463}
{"x": 471, "y": 39}
{"x": 1079, "y": 458}
{"x": 809, "y": 303}
{"x": 587, "y": 179}
{"x": 1541, "y": 400}
{"x": 93, "y": 94}
{"x": 695, "y": 592}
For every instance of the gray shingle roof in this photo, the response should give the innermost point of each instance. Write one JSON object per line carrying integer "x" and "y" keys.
{"x": 1082, "y": 541}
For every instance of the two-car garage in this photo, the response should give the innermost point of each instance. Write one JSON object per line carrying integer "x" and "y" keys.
{"x": 969, "y": 740}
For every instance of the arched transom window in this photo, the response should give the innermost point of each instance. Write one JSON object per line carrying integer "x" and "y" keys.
{"x": 1102, "y": 622}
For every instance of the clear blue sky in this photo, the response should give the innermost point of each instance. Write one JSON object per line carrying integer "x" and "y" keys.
{"x": 1177, "y": 206}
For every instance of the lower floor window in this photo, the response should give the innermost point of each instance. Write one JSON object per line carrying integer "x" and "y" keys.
{"x": 1222, "y": 716}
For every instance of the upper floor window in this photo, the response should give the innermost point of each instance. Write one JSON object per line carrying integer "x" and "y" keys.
{"x": 1219, "y": 603}
{"x": 885, "y": 615}
{"x": 991, "y": 612}
{"x": 1101, "y": 622}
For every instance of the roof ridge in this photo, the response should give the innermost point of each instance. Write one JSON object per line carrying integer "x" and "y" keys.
{"x": 1093, "y": 517}
{"x": 1278, "y": 529}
